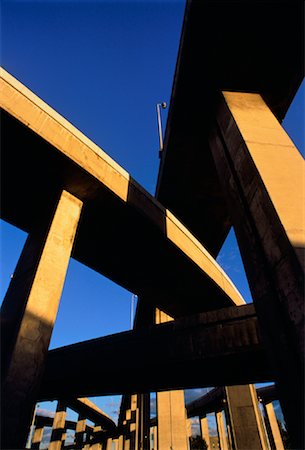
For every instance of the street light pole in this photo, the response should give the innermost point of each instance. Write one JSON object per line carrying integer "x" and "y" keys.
{"x": 159, "y": 106}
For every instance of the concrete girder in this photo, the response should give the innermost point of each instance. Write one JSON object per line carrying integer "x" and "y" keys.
{"x": 66, "y": 158}
{"x": 220, "y": 347}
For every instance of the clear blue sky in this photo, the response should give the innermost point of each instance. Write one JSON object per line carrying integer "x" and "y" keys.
{"x": 103, "y": 65}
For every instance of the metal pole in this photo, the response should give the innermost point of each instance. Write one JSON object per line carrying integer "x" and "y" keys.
{"x": 159, "y": 106}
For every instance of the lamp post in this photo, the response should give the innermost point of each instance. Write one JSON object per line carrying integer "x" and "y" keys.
{"x": 159, "y": 106}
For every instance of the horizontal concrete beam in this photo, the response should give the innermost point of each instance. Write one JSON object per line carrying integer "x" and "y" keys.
{"x": 213, "y": 400}
{"x": 92, "y": 412}
{"x": 210, "y": 402}
{"x": 124, "y": 233}
{"x": 219, "y": 348}
{"x": 45, "y": 421}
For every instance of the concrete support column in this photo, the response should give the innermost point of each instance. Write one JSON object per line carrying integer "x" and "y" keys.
{"x": 204, "y": 428}
{"x": 37, "y": 437}
{"x": 79, "y": 432}
{"x": 244, "y": 417}
{"x": 262, "y": 175}
{"x": 155, "y": 434}
{"x": 28, "y": 314}
{"x": 97, "y": 445}
{"x": 172, "y": 425}
{"x": 274, "y": 427}
{"x": 171, "y": 420}
{"x": 109, "y": 444}
{"x": 223, "y": 443}
{"x": 121, "y": 442}
{"x": 188, "y": 430}
{"x": 58, "y": 435}
{"x": 144, "y": 421}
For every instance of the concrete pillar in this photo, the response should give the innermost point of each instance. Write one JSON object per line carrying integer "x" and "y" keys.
{"x": 37, "y": 437}
{"x": 109, "y": 444}
{"x": 58, "y": 435}
{"x": 188, "y": 431}
{"x": 172, "y": 426}
{"x": 274, "y": 427}
{"x": 262, "y": 175}
{"x": 171, "y": 420}
{"x": 204, "y": 428}
{"x": 121, "y": 442}
{"x": 144, "y": 421}
{"x": 155, "y": 433}
{"x": 79, "y": 432}
{"x": 223, "y": 443}
{"x": 97, "y": 445}
{"x": 134, "y": 422}
{"x": 28, "y": 314}
{"x": 243, "y": 415}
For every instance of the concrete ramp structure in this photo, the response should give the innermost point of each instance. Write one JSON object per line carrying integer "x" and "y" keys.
{"x": 226, "y": 162}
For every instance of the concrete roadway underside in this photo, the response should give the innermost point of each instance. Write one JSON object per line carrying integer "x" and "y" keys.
{"x": 219, "y": 347}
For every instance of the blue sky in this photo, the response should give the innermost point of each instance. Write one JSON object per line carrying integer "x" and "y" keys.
{"x": 104, "y": 65}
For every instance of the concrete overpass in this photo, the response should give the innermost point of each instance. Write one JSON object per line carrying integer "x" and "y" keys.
{"x": 125, "y": 234}
{"x": 215, "y": 156}
{"x": 228, "y": 162}
{"x": 73, "y": 199}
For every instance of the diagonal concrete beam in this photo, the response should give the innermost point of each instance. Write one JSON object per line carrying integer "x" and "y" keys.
{"x": 220, "y": 347}
{"x": 141, "y": 241}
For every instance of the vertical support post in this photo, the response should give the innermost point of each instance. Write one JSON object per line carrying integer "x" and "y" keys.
{"x": 223, "y": 444}
{"x": 121, "y": 442}
{"x": 245, "y": 419}
{"x": 109, "y": 444}
{"x": 204, "y": 428}
{"x": 28, "y": 314}
{"x": 274, "y": 427}
{"x": 96, "y": 438}
{"x": 155, "y": 433}
{"x": 79, "y": 432}
{"x": 58, "y": 435}
{"x": 188, "y": 431}
{"x": 171, "y": 411}
{"x": 37, "y": 437}
{"x": 262, "y": 175}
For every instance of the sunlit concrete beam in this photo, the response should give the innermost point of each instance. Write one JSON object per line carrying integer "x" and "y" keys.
{"x": 140, "y": 240}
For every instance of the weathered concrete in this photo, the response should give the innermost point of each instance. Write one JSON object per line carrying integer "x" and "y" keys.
{"x": 263, "y": 180}
{"x": 58, "y": 435}
{"x": 245, "y": 420}
{"x": 222, "y": 436}
{"x": 140, "y": 241}
{"x": 80, "y": 430}
{"x": 172, "y": 429}
{"x": 204, "y": 429}
{"x": 219, "y": 347}
{"x": 28, "y": 314}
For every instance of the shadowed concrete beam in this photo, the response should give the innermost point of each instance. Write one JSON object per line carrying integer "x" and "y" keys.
{"x": 219, "y": 347}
